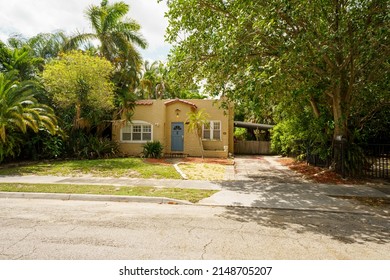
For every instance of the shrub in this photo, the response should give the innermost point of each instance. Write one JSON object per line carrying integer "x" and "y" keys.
{"x": 240, "y": 133}
{"x": 84, "y": 146}
{"x": 153, "y": 149}
{"x": 11, "y": 148}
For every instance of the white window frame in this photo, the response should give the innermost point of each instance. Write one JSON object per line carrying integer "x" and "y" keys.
{"x": 212, "y": 129}
{"x": 136, "y": 125}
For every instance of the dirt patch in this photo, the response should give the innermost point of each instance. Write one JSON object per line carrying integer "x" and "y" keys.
{"x": 318, "y": 174}
{"x": 222, "y": 161}
{"x": 209, "y": 169}
{"x": 203, "y": 171}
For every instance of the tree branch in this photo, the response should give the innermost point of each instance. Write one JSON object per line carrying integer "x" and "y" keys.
{"x": 371, "y": 114}
{"x": 314, "y": 106}
{"x": 215, "y": 8}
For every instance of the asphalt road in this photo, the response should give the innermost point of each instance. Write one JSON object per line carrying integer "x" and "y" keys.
{"x": 54, "y": 229}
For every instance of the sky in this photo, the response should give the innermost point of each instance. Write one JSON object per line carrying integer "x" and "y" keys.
{"x": 31, "y": 17}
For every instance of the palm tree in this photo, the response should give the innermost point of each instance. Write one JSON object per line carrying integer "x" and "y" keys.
{"x": 43, "y": 45}
{"x": 20, "y": 61}
{"x": 148, "y": 80}
{"x": 162, "y": 87}
{"x": 117, "y": 34}
{"x": 153, "y": 81}
{"x": 19, "y": 110}
{"x": 49, "y": 45}
{"x": 196, "y": 120}
{"x": 118, "y": 37}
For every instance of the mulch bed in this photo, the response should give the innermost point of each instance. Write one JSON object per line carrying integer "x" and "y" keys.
{"x": 222, "y": 161}
{"x": 318, "y": 174}
{"x": 170, "y": 161}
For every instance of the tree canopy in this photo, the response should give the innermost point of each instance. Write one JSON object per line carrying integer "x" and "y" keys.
{"x": 118, "y": 38}
{"x": 328, "y": 59}
{"x": 87, "y": 88}
{"x": 81, "y": 81}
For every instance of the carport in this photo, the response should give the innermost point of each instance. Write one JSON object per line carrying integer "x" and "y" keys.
{"x": 261, "y": 145}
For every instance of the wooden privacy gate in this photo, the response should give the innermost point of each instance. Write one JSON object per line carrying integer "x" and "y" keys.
{"x": 252, "y": 148}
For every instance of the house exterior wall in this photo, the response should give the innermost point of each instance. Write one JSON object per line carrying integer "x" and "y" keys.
{"x": 151, "y": 114}
{"x": 161, "y": 115}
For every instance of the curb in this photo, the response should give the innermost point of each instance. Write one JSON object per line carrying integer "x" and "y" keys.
{"x": 94, "y": 197}
{"x": 176, "y": 166}
{"x": 362, "y": 212}
{"x": 157, "y": 200}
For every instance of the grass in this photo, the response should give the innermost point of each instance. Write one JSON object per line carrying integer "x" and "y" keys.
{"x": 118, "y": 167}
{"x": 191, "y": 195}
{"x": 204, "y": 171}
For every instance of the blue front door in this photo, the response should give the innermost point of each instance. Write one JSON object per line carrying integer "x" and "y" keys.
{"x": 177, "y": 137}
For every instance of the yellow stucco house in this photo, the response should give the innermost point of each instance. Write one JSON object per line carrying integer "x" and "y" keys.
{"x": 166, "y": 121}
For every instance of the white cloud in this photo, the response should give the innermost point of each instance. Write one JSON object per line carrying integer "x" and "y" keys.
{"x": 32, "y": 17}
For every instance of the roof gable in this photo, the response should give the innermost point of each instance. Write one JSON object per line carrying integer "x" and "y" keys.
{"x": 173, "y": 101}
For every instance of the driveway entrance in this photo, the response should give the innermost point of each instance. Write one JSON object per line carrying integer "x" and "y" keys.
{"x": 262, "y": 181}
{"x": 266, "y": 169}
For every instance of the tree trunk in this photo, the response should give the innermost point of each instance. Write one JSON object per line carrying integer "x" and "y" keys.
{"x": 201, "y": 145}
{"x": 76, "y": 124}
{"x": 339, "y": 114}
{"x": 340, "y": 133}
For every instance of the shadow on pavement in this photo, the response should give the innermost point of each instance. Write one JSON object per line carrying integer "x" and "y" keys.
{"x": 278, "y": 194}
{"x": 344, "y": 227}
{"x": 280, "y": 198}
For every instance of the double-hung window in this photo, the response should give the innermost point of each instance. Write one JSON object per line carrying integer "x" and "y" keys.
{"x": 212, "y": 130}
{"x": 136, "y": 132}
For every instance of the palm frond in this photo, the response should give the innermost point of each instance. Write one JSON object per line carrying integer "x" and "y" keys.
{"x": 19, "y": 109}
{"x": 76, "y": 41}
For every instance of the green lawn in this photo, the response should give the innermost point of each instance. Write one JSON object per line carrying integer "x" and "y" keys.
{"x": 118, "y": 167}
{"x": 190, "y": 195}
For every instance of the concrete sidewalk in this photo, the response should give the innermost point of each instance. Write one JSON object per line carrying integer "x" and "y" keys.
{"x": 304, "y": 196}
{"x": 245, "y": 193}
{"x": 257, "y": 182}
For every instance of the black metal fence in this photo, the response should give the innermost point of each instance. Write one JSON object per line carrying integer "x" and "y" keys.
{"x": 370, "y": 160}
{"x": 378, "y": 157}
{"x": 312, "y": 156}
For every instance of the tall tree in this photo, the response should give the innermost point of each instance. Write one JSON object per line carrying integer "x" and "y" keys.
{"x": 81, "y": 82}
{"x": 44, "y": 45}
{"x": 332, "y": 55}
{"x": 20, "y": 61}
{"x": 118, "y": 36}
{"x": 154, "y": 81}
{"x": 148, "y": 79}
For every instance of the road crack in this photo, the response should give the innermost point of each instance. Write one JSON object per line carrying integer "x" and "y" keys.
{"x": 205, "y": 248}
{"x": 23, "y": 238}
